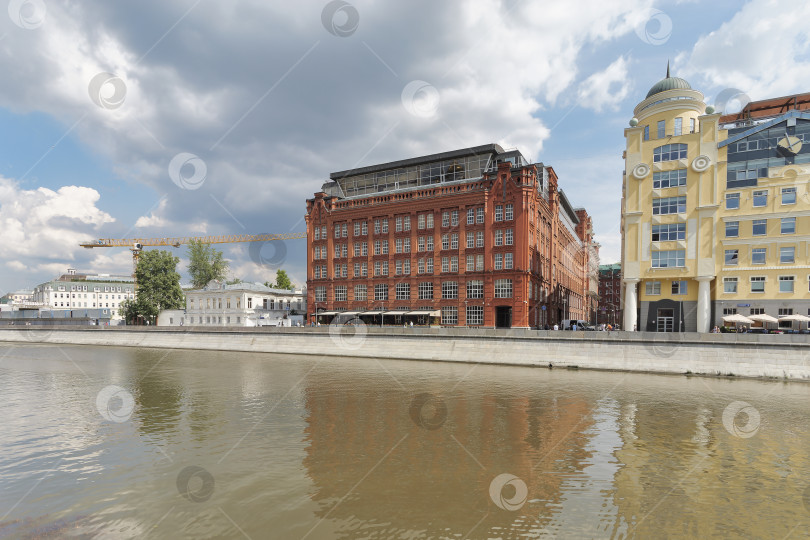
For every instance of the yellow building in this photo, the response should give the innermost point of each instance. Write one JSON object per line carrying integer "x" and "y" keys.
{"x": 715, "y": 210}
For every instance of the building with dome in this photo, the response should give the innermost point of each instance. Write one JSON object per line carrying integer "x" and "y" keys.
{"x": 715, "y": 211}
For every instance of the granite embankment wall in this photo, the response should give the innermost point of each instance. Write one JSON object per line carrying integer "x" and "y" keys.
{"x": 745, "y": 355}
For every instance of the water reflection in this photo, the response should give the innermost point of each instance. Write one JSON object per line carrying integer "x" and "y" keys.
{"x": 294, "y": 447}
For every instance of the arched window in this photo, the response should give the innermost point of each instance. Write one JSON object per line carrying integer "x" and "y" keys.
{"x": 669, "y": 152}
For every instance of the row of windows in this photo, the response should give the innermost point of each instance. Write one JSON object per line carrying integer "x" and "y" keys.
{"x": 214, "y": 320}
{"x": 669, "y": 152}
{"x": 759, "y": 227}
{"x": 669, "y": 205}
{"x": 425, "y": 291}
{"x": 677, "y": 258}
{"x": 787, "y": 255}
{"x": 760, "y": 198}
{"x": 425, "y": 265}
{"x": 84, "y": 295}
{"x": 669, "y": 232}
{"x": 677, "y": 128}
{"x": 669, "y": 259}
{"x": 668, "y": 179}
{"x": 84, "y": 304}
{"x": 786, "y": 284}
{"x": 653, "y": 288}
{"x": 450, "y": 218}
{"x": 475, "y": 239}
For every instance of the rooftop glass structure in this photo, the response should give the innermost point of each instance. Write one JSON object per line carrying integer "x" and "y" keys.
{"x": 458, "y": 165}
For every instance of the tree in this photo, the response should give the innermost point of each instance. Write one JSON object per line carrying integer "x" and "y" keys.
{"x": 234, "y": 281}
{"x": 283, "y": 280}
{"x": 205, "y": 264}
{"x": 158, "y": 287}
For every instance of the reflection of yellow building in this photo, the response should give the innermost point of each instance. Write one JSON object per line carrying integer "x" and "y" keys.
{"x": 714, "y": 210}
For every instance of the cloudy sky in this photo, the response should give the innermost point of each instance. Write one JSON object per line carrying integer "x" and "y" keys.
{"x": 201, "y": 117}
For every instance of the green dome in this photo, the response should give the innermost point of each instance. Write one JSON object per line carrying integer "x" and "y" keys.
{"x": 670, "y": 83}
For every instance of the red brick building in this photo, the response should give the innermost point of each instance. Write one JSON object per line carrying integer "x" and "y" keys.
{"x": 610, "y": 294}
{"x": 477, "y": 236}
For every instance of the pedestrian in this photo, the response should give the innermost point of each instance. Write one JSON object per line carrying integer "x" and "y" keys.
{"x": 556, "y": 327}
{"x": 411, "y": 324}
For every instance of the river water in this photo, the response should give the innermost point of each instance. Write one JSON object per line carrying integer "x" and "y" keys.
{"x": 103, "y": 442}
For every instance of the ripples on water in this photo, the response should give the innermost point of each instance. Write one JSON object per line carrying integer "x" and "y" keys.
{"x": 269, "y": 446}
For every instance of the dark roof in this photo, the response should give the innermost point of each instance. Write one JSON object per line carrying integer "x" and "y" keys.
{"x": 669, "y": 83}
{"x": 769, "y": 107}
{"x": 464, "y": 152}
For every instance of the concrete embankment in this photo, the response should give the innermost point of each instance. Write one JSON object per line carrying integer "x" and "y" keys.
{"x": 744, "y": 355}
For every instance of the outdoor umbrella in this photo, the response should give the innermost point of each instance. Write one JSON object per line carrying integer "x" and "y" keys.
{"x": 764, "y": 318}
{"x": 797, "y": 317}
{"x": 737, "y": 319}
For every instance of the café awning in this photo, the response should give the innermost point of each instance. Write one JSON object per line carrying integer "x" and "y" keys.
{"x": 432, "y": 313}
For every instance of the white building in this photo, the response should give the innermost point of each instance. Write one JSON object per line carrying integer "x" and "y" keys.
{"x": 19, "y": 297}
{"x": 86, "y": 290}
{"x": 241, "y": 304}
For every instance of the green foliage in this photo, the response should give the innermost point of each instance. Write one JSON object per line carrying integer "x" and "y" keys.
{"x": 234, "y": 281}
{"x": 205, "y": 264}
{"x": 283, "y": 280}
{"x": 158, "y": 287}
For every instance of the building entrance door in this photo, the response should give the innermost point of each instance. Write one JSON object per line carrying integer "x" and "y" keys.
{"x": 503, "y": 317}
{"x": 666, "y": 320}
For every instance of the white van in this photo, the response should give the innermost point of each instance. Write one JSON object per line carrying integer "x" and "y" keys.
{"x": 581, "y": 325}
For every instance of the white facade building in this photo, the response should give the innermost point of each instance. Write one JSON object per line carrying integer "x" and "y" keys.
{"x": 241, "y": 304}
{"x": 19, "y": 297}
{"x": 75, "y": 290}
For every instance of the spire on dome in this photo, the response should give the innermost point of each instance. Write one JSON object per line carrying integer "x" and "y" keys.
{"x": 667, "y": 68}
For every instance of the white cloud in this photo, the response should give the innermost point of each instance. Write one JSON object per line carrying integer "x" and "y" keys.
{"x": 167, "y": 228}
{"x": 607, "y": 88}
{"x": 762, "y": 51}
{"x": 47, "y": 224}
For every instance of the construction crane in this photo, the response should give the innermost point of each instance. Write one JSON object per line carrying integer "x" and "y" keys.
{"x": 136, "y": 245}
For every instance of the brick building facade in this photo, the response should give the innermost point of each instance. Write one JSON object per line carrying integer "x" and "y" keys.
{"x": 610, "y": 294}
{"x": 478, "y": 235}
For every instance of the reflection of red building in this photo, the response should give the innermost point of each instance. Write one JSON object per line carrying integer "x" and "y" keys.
{"x": 371, "y": 466}
{"x": 478, "y": 234}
